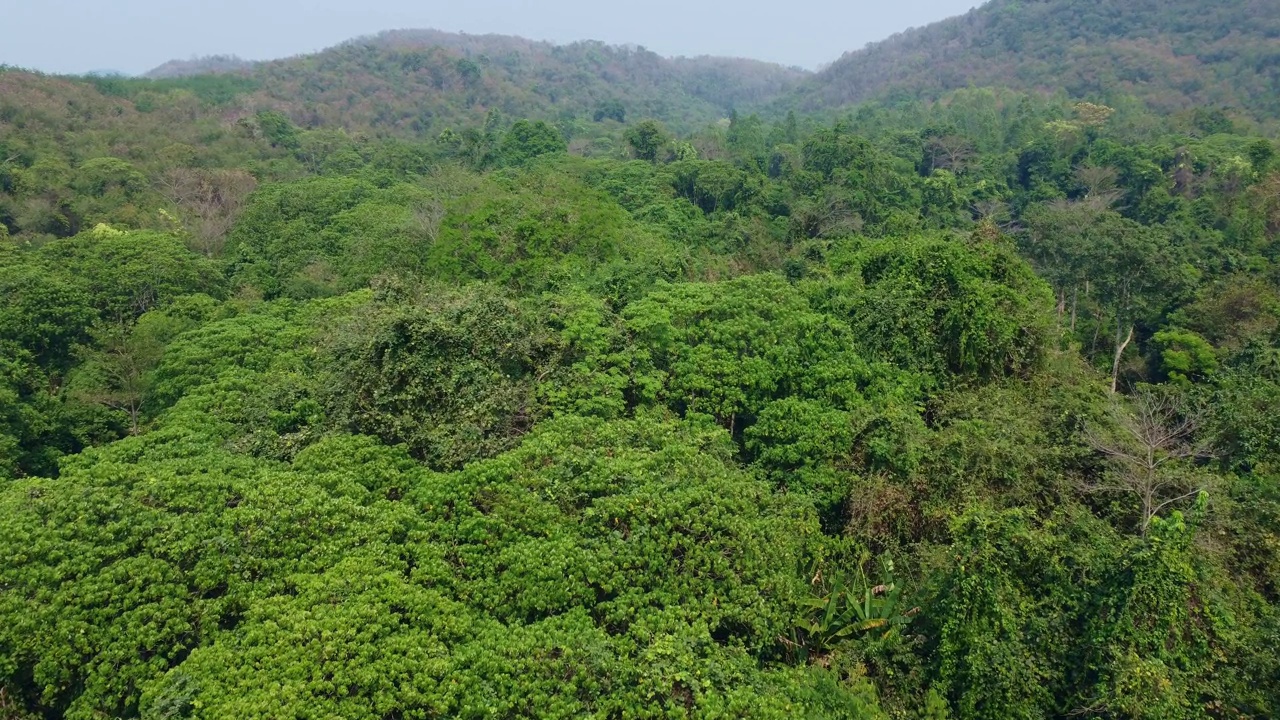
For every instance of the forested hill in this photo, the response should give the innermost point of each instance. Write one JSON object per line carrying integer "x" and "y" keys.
{"x": 1172, "y": 54}
{"x": 427, "y": 380}
{"x": 415, "y": 80}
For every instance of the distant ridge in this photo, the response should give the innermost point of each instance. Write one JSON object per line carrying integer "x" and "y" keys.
{"x": 1172, "y": 54}
{"x": 414, "y": 81}
{"x": 1169, "y": 54}
{"x": 209, "y": 65}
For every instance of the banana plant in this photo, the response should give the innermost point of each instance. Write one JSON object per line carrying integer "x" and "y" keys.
{"x": 846, "y": 609}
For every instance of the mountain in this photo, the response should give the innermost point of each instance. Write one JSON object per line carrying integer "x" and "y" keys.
{"x": 961, "y": 409}
{"x": 1172, "y": 54}
{"x": 415, "y": 81}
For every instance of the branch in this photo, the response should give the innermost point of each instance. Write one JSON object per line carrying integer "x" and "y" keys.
{"x": 1118, "y": 487}
{"x": 1115, "y": 369}
{"x": 1182, "y": 453}
{"x": 1171, "y": 501}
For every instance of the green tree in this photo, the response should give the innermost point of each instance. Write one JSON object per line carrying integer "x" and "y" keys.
{"x": 611, "y": 109}
{"x": 646, "y": 138}
{"x": 451, "y": 377}
{"x": 278, "y": 129}
{"x": 1185, "y": 356}
{"x": 985, "y": 661}
{"x": 126, "y": 274}
{"x": 529, "y": 139}
{"x": 115, "y": 369}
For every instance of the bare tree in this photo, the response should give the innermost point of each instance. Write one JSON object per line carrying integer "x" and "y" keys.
{"x": 949, "y": 152}
{"x": 832, "y": 215}
{"x": 1149, "y": 437}
{"x": 427, "y": 219}
{"x": 1100, "y": 186}
{"x": 1266, "y": 198}
{"x": 996, "y": 212}
{"x": 209, "y": 202}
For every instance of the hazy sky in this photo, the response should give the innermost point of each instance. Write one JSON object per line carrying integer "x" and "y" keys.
{"x": 67, "y": 36}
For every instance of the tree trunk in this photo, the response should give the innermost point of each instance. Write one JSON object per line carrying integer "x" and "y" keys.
{"x": 1075, "y": 297}
{"x": 1120, "y": 348}
{"x": 1149, "y": 483}
{"x": 1148, "y": 511}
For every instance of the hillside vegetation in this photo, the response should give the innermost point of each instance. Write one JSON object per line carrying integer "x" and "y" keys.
{"x": 963, "y": 409}
{"x": 417, "y": 80}
{"x": 1170, "y": 55}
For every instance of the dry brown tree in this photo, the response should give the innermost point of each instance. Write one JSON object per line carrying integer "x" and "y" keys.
{"x": 1150, "y": 443}
{"x": 208, "y": 202}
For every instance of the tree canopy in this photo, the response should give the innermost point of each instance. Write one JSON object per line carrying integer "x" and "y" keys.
{"x": 592, "y": 394}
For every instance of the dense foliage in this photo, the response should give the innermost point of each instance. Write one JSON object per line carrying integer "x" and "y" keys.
{"x": 967, "y": 409}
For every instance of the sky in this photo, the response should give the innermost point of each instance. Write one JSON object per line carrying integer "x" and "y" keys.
{"x": 133, "y": 36}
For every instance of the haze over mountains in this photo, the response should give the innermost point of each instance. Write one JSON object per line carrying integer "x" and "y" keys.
{"x": 1171, "y": 55}
{"x": 415, "y": 77}
{"x": 136, "y": 37}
